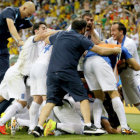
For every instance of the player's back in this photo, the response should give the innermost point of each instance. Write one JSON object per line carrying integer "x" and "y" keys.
{"x": 27, "y": 56}
{"x": 68, "y": 46}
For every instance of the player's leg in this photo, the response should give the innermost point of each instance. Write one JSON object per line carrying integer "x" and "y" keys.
{"x": 98, "y": 107}
{"x": 68, "y": 120}
{"x": 119, "y": 109}
{"x": 95, "y": 70}
{"x": 54, "y": 96}
{"x": 77, "y": 91}
{"x": 131, "y": 90}
{"x": 34, "y": 111}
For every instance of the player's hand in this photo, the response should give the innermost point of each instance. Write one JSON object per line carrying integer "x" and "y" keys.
{"x": 117, "y": 50}
{"x": 20, "y": 43}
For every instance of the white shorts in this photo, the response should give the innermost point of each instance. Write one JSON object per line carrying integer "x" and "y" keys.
{"x": 12, "y": 86}
{"x": 99, "y": 74}
{"x": 131, "y": 89}
{"x": 38, "y": 77}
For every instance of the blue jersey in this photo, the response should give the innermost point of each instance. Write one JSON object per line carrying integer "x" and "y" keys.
{"x": 112, "y": 59}
{"x": 68, "y": 46}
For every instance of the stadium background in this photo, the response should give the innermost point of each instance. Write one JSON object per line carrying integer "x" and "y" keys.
{"x": 58, "y": 14}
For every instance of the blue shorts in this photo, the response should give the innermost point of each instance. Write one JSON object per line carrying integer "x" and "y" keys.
{"x": 60, "y": 83}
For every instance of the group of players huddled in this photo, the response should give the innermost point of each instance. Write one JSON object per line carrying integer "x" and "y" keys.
{"x": 54, "y": 93}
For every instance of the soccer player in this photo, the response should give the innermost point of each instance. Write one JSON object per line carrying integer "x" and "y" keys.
{"x": 99, "y": 75}
{"x": 62, "y": 77}
{"x": 130, "y": 79}
{"x": 91, "y": 33}
{"x": 13, "y": 85}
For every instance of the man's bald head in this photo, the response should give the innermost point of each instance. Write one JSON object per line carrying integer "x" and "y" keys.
{"x": 27, "y": 9}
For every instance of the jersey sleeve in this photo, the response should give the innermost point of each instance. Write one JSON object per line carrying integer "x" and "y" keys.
{"x": 9, "y": 13}
{"x": 125, "y": 54}
{"x": 86, "y": 43}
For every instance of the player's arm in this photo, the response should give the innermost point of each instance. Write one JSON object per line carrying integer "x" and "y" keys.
{"x": 95, "y": 38}
{"x": 13, "y": 31}
{"x": 105, "y": 51}
{"x": 109, "y": 128}
{"x": 51, "y": 35}
{"x": 133, "y": 64}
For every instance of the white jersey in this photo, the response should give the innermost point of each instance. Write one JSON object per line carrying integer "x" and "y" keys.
{"x": 13, "y": 86}
{"x": 131, "y": 46}
{"x": 38, "y": 72}
{"x": 28, "y": 55}
{"x": 130, "y": 78}
{"x": 44, "y": 55}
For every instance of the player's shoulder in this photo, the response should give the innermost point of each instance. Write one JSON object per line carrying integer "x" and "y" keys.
{"x": 111, "y": 40}
{"x": 129, "y": 40}
{"x": 9, "y": 10}
{"x": 29, "y": 41}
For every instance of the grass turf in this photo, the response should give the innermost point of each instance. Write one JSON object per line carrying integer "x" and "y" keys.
{"x": 133, "y": 121}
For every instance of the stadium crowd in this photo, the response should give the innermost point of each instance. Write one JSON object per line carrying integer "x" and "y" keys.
{"x": 58, "y": 14}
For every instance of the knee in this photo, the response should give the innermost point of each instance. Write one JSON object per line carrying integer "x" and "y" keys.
{"x": 44, "y": 98}
{"x": 23, "y": 103}
{"x": 99, "y": 94}
{"x": 113, "y": 94}
{"x": 1, "y": 99}
{"x": 38, "y": 99}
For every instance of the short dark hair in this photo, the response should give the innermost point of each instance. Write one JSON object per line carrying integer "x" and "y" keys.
{"x": 36, "y": 26}
{"x": 87, "y": 13}
{"x": 79, "y": 24}
{"x": 121, "y": 27}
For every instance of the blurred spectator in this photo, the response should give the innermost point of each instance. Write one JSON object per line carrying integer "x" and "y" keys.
{"x": 135, "y": 36}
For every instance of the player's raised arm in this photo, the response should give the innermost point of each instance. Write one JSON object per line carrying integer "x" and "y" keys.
{"x": 105, "y": 50}
{"x": 48, "y": 34}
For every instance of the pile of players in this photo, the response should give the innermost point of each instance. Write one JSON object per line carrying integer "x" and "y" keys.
{"x": 48, "y": 65}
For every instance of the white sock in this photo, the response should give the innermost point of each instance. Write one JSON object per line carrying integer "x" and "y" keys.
{"x": 87, "y": 124}
{"x": 138, "y": 107}
{"x": 12, "y": 110}
{"x": 97, "y": 112}
{"x": 34, "y": 114}
{"x": 23, "y": 122}
{"x": 119, "y": 109}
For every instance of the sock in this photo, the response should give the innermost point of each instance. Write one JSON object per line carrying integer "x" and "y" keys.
{"x": 138, "y": 107}
{"x": 87, "y": 124}
{"x": 34, "y": 113}
{"x": 12, "y": 110}
{"x": 23, "y": 122}
{"x": 119, "y": 109}
{"x": 97, "y": 112}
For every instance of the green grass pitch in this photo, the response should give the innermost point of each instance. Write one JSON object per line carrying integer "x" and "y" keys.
{"x": 133, "y": 121}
